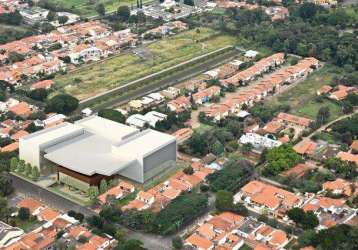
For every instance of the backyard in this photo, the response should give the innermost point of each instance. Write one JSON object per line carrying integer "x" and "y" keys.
{"x": 87, "y": 8}
{"x": 302, "y": 97}
{"x": 95, "y": 78}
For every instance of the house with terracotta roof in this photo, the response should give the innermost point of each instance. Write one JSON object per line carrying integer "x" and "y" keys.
{"x": 33, "y": 205}
{"x": 19, "y": 134}
{"x": 45, "y": 84}
{"x": 341, "y": 92}
{"x": 206, "y": 95}
{"x": 261, "y": 197}
{"x": 293, "y": 120}
{"x": 341, "y": 187}
{"x": 273, "y": 127}
{"x": 183, "y": 134}
{"x": 346, "y": 156}
{"x": 48, "y": 214}
{"x": 354, "y": 147}
{"x": 299, "y": 170}
{"x": 179, "y": 104}
{"x": 12, "y": 147}
{"x": 325, "y": 89}
{"x": 330, "y": 212}
{"x": 118, "y": 192}
{"x": 22, "y": 109}
{"x": 306, "y": 147}
{"x": 231, "y": 231}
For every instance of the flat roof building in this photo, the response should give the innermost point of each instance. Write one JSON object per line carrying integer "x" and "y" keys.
{"x": 95, "y": 148}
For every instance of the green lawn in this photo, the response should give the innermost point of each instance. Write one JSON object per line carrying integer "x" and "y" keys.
{"x": 92, "y": 79}
{"x": 87, "y": 8}
{"x": 302, "y": 97}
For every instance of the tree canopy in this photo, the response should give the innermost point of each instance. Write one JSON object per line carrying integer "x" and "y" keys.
{"x": 62, "y": 103}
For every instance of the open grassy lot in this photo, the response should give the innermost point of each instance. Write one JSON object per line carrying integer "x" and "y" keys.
{"x": 302, "y": 97}
{"x": 90, "y": 80}
{"x": 87, "y": 8}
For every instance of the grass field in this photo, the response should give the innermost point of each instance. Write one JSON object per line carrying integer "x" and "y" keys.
{"x": 90, "y": 80}
{"x": 302, "y": 97}
{"x": 87, "y": 8}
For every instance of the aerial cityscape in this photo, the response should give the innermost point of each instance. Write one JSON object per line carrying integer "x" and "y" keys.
{"x": 179, "y": 124}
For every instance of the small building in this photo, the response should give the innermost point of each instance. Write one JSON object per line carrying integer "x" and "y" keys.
{"x": 171, "y": 92}
{"x": 9, "y": 234}
{"x": 251, "y": 54}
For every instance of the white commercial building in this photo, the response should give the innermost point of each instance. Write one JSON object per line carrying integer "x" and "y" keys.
{"x": 94, "y": 148}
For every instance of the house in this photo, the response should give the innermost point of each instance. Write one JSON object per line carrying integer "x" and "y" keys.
{"x": 137, "y": 120}
{"x": 48, "y": 215}
{"x": 342, "y": 92}
{"x": 273, "y": 127}
{"x": 33, "y": 205}
{"x": 45, "y": 84}
{"x": 354, "y": 147}
{"x": 293, "y": 120}
{"x": 34, "y": 15}
{"x": 206, "y": 94}
{"x": 306, "y": 147}
{"x": 298, "y": 171}
{"x": 329, "y": 211}
{"x": 217, "y": 111}
{"x": 118, "y": 192}
{"x": 171, "y": 92}
{"x": 345, "y": 156}
{"x": 183, "y": 134}
{"x": 144, "y": 200}
{"x": 9, "y": 234}
{"x": 22, "y": 109}
{"x": 251, "y": 54}
{"x": 135, "y": 104}
{"x": 261, "y": 197}
{"x": 11, "y": 147}
{"x": 179, "y": 104}
{"x": 152, "y": 117}
{"x": 325, "y": 89}
{"x": 19, "y": 134}
{"x": 341, "y": 187}
{"x": 259, "y": 142}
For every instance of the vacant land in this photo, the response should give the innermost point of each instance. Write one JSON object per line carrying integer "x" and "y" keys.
{"x": 92, "y": 79}
{"x": 303, "y": 99}
{"x": 87, "y": 8}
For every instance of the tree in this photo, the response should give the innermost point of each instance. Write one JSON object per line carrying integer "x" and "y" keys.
{"x": 62, "y": 20}
{"x": 101, "y": 9}
{"x": 38, "y": 94}
{"x": 62, "y": 103}
{"x": 103, "y": 187}
{"x": 224, "y": 200}
{"x": 113, "y": 115}
{"x": 24, "y": 213}
{"x": 28, "y": 169}
{"x": 322, "y": 115}
{"x": 177, "y": 242}
{"x": 119, "y": 235}
{"x": 6, "y": 187}
{"x": 35, "y": 174}
{"x": 306, "y": 220}
{"x": 33, "y": 128}
{"x": 4, "y": 209}
{"x": 246, "y": 148}
{"x": 93, "y": 193}
{"x": 188, "y": 170}
{"x": 189, "y": 2}
{"x": 51, "y": 16}
{"x": 123, "y": 13}
{"x": 13, "y": 164}
{"x": 131, "y": 244}
{"x": 218, "y": 148}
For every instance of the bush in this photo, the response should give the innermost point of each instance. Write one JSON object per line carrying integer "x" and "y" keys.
{"x": 24, "y": 213}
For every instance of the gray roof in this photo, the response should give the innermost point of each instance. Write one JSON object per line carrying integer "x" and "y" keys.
{"x": 105, "y": 148}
